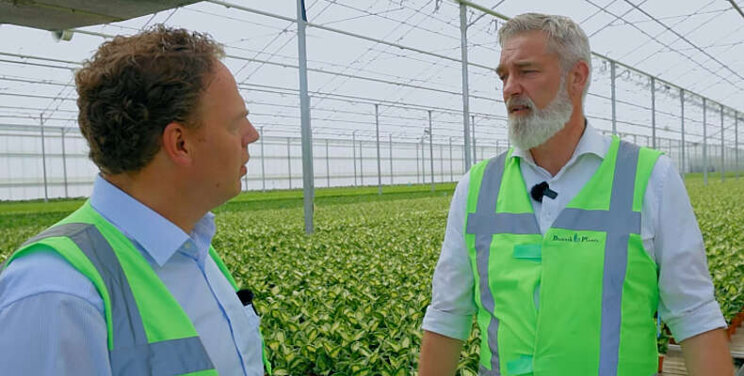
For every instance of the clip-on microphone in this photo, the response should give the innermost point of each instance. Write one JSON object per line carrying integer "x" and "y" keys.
{"x": 246, "y": 297}
{"x": 543, "y": 189}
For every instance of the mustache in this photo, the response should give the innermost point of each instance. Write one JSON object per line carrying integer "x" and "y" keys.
{"x": 520, "y": 101}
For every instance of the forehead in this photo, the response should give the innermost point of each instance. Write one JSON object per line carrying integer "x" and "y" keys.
{"x": 222, "y": 91}
{"x": 220, "y": 79}
{"x": 527, "y": 47}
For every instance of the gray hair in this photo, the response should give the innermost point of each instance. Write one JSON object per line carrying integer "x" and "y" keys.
{"x": 565, "y": 38}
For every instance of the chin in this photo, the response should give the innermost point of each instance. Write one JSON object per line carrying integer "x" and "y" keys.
{"x": 234, "y": 193}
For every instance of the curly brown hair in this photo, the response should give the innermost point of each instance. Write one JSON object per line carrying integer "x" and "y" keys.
{"x": 136, "y": 85}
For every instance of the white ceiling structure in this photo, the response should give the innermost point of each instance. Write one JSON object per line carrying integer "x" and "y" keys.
{"x": 404, "y": 56}
{"x": 65, "y": 14}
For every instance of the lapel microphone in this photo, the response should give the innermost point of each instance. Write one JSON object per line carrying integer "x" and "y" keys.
{"x": 246, "y": 297}
{"x": 543, "y": 189}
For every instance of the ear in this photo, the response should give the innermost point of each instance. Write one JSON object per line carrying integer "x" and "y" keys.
{"x": 174, "y": 145}
{"x": 578, "y": 79}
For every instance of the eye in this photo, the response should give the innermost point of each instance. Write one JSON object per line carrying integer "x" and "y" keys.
{"x": 503, "y": 77}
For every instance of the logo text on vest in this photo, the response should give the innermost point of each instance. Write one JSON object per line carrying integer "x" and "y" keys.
{"x": 576, "y": 238}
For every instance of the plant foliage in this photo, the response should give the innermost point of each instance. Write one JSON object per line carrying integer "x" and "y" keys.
{"x": 350, "y": 299}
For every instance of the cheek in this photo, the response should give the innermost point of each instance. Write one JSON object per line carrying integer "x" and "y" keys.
{"x": 544, "y": 93}
{"x": 229, "y": 150}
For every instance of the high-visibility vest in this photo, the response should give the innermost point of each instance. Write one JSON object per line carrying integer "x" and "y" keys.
{"x": 579, "y": 300}
{"x": 148, "y": 331}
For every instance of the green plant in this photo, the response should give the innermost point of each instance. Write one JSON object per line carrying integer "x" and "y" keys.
{"x": 350, "y": 299}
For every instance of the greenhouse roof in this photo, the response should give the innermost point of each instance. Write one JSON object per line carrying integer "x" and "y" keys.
{"x": 65, "y": 14}
{"x": 403, "y": 59}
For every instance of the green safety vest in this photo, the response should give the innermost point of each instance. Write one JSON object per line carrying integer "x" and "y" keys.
{"x": 148, "y": 331}
{"x": 579, "y": 300}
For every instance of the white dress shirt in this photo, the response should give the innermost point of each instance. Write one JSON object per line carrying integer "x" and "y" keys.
{"x": 669, "y": 231}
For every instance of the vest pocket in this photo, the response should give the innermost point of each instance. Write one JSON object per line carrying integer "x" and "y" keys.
{"x": 528, "y": 252}
{"x": 519, "y": 366}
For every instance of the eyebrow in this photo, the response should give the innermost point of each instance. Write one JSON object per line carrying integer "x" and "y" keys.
{"x": 519, "y": 64}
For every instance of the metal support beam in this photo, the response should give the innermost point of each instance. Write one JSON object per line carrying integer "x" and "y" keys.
{"x": 653, "y": 113}
{"x": 465, "y": 98}
{"x": 417, "y": 162}
{"x": 390, "y": 141}
{"x": 43, "y": 158}
{"x": 377, "y": 136}
{"x": 723, "y": 155}
{"x": 289, "y": 164}
{"x": 452, "y": 174}
{"x": 472, "y": 126}
{"x": 353, "y": 150}
{"x": 733, "y": 4}
{"x": 612, "y": 88}
{"x": 705, "y": 142}
{"x": 441, "y": 162}
{"x": 342, "y": 32}
{"x": 328, "y": 164}
{"x": 361, "y": 162}
{"x": 64, "y": 161}
{"x": 423, "y": 161}
{"x": 263, "y": 160}
{"x": 308, "y": 178}
{"x": 431, "y": 152}
{"x": 736, "y": 143}
{"x": 682, "y": 120}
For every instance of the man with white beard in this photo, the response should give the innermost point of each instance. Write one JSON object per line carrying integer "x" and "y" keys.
{"x": 569, "y": 284}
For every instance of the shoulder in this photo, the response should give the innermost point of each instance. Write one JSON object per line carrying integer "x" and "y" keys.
{"x": 460, "y": 195}
{"x": 663, "y": 178}
{"x": 464, "y": 182}
{"x": 44, "y": 271}
{"x": 664, "y": 164}
{"x": 663, "y": 173}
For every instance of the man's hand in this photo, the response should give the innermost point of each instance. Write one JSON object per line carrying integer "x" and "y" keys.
{"x": 439, "y": 355}
{"x": 707, "y": 354}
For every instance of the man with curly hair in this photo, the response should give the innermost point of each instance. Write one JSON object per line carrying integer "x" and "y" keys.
{"x": 129, "y": 284}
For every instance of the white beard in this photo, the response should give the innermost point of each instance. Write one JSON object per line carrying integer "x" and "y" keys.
{"x": 527, "y": 132}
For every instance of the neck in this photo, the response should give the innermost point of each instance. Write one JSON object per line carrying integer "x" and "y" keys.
{"x": 158, "y": 192}
{"x": 555, "y": 153}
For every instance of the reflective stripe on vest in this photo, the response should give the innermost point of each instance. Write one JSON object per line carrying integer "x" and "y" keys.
{"x": 484, "y": 223}
{"x": 617, "y": 223}
{"x": 131, "y": 353}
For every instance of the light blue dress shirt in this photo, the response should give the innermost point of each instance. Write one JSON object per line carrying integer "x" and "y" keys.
{"x": 51, "y": 316}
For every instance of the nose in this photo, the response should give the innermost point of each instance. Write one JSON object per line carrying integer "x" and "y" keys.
{"x": 251, "y": 135}
{"x": 512, "y": 87}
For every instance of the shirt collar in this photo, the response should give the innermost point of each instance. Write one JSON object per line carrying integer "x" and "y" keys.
{"x": 591, "y": 142}
{"x": 158, "y": 237}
